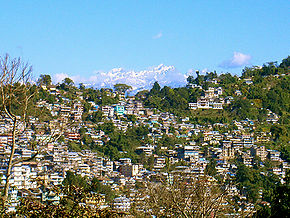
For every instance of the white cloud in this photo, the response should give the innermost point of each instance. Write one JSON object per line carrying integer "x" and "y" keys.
{"x": 191, "y": 71}
{"x": 158, "y": 35}
{"x": 237, "y": 60}
{"x": 204, "y": 71}
{"x": 57, "y": 78}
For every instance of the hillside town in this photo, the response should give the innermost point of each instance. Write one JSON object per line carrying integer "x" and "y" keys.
{"x": 52, "y": 155}
{"x": 144, "y": 109}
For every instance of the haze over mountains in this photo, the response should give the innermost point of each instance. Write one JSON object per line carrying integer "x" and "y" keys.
{"x": 139, "y": 80}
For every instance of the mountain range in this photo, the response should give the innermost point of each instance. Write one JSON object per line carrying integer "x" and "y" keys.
{"x": 139, "y": 80}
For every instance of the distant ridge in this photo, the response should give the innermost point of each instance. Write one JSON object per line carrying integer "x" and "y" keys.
{"x": 139, "y": 80}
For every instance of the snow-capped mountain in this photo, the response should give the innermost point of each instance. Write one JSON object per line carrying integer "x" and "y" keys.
{"x": 139, "y": 80}
{"x": 165, "y": 75}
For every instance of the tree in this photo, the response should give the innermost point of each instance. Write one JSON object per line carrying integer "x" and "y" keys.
{"x": 183, "y": 196}
{"x": 74, "y": 202}
{"x": 280, "y": 201}
{"x": 82, "y": 86}
{"x": 122, "y": 88}
{"x": 190, "y": 79}
{"x": 155, "y": 89}
{"x": 132, "y": 118}
{"x": 210, "y": 75}
{"x": 280, "y": 206}
{"x": 75, "y": 180}
{"x": 16, "y": 94}
{"x": 16, "y": 105}
{"x": 211, "y": 168}
{"x": 285, "y": 62}
{"x": 44, "y": 80}
{"x": 278, "y": 131}
{"x": 199, "y": 78}
{"x": 67, "y": 84}
{"x": 98, "y": 187}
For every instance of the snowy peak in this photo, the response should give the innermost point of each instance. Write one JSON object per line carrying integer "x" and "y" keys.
{"x": 165, "y": 75}
{"x": 139, "y": 80}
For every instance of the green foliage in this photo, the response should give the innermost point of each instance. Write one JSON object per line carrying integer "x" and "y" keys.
{"x": 96, "y": 116}
{"x": 107, "y": 127}
{"x": 278, "y": 131}
{"x": 97, "y": 187}
{"x": 280, "y": 206}
{"x": 73, "y": 203}
{"x": 44, "y": 80}
{"x": 75, "y": 146}
{"x": 123, "y": 144}
{"x": 243, "y": 108}
{"x": 148, "y": 162}
{"x": 271, "y": 68}
{"x": 44, "y": 95}
{"x": 68, "y": 82}
{"x": 155, "y": 89}
{"x": 91, "y": 94}
{"x": 93, "y": 185}
{"x": 75, "y": 180}
{"x": 82, "y": 87}
{"x": 250, "y": 181}
{"x": 169, "y": 142}
{"x": 131, "y": 117}
{"x": 100, "y": 97}
{"x": 199, "y": 79}
{"x": 280, "y": 202}
{"x": 285, "y": 62}
{"x": 190, "y": 79}
{"x": 268, "y": 91}
{"x": 228, "y": 78}
{"x": 171, "y": 100}
{"x": 210, "y": 116}
{"x": 211, "y": 168}
{"x": 122, "y": 88}
{"x": 285, "y": 152}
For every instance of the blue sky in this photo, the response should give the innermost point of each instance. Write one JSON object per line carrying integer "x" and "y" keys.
{"x": 81, "y": 37}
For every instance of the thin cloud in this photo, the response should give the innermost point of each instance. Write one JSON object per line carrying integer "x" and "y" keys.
{"x": 205, "y": 70}
{"x": 237, "y": 60}
{"x": 158, "y": 35}
{"x": 57, "y": 78}
{"x": 191, "y": 71}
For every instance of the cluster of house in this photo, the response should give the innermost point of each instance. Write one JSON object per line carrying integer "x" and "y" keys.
{"x": 210, "y": 100}
{"x": 131, "y": 107}
{"x": 64, "y": 111}
{"x": 201, "y": 143}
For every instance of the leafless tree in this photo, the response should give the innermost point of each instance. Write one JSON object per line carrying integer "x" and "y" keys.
{"x": 16, "y": 102}
{"x": 184, "y": 197}
{"x": 15, "y": 92}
